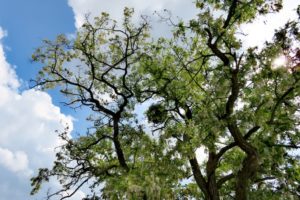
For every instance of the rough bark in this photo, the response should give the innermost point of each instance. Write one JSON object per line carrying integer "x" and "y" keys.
{"x": 211, "y": 176}
{"x": 199, "y": 177}
{"x": 117, "y": 145}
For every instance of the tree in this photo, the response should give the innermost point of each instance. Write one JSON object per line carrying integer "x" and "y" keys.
{"x": 207, "y": 91}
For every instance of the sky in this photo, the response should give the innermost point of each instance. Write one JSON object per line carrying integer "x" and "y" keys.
{"x": 28, "y": 117}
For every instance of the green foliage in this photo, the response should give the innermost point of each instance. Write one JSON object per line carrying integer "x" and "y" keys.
{"x": 207, "y": 91}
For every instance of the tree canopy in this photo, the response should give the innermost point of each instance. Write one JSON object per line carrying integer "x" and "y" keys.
{"x": 206, "y": 90}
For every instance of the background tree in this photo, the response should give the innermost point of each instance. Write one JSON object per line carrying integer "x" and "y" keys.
{"x": 209, "y": 92}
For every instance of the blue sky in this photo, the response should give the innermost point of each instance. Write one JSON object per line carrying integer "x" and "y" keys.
{"x": 29, "y": 118}
{"x": 27, "y": 23}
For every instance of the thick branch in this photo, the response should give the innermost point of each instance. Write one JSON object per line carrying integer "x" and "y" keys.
{"x": 224, "y": 179}
{"x": 231, "y": 13}
{"x": 198, "y": 176}
{"x": 233, "y": 144}
{"x": 215, "y": 50}
{"x": 279, "y": 101}
{"x": 117, "y": 145}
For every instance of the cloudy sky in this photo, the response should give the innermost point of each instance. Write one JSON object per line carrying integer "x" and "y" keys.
{"x": 29, "y": 118}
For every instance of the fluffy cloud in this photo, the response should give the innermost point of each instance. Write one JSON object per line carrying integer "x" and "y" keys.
{"x": 182, "y": 9}
{"x": 28, "y": 121}
{"x": 7, "y": 74}
{"x": 9, "y": 160}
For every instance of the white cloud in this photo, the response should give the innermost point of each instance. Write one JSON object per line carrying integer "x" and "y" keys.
{"x": 3, "y": 33}
{"x": 28, "y": 121}
{"x": 183, "y": 9}
{"x": 7, "y": 74}
{"x": 262, "y": 29}
{"x": 9, "y": 160}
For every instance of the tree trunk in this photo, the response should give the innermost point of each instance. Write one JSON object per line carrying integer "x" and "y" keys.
{"x": 250, "y": 166}
{"x": 250, "y": 163}
{"x": 211, "y": 176}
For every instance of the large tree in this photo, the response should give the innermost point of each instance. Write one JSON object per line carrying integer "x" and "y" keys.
{"x": 207, "y": 91}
